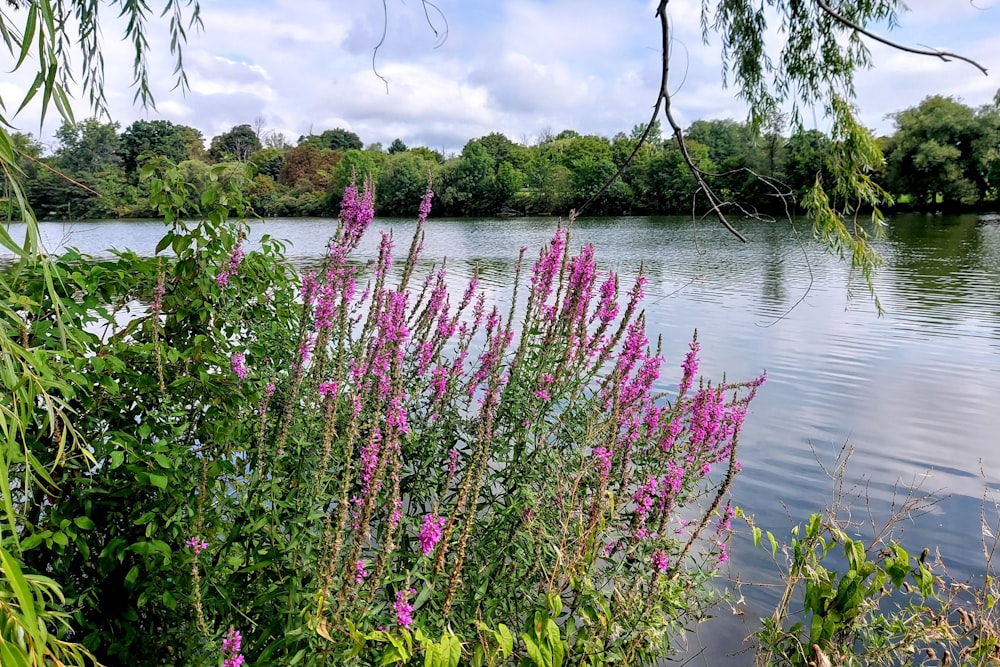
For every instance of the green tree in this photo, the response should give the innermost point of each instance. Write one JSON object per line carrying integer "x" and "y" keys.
{"x": 268, "y": 161}
{"x": 936, "y": 153}
{"x": 238, "y": 144}
{"x": 469, "y": 185}
{"x": 27, "y": 151}
{"x": 502, "y": 149}
{"x": 337, "y": 139}
{"x": 159, "y": 138}
{"x": 806, "y": 161}
{"x": 397, "y": 146}
{"x": 356, "y": 164}
{"x": 428, "y": 154}
{"x": 87, "y": 146}
{"x": 402, "y": 183}
{"x": 664, "y": 184}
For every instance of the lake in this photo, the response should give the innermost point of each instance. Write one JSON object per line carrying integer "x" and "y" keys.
{"x": 913, "y": 392}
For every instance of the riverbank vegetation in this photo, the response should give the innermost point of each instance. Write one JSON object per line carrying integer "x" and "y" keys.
{"x": 209, "y": 459}
{"x": 942, "y": 156}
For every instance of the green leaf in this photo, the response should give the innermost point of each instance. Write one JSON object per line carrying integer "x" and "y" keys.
{"x": 26, "y": 601}
{"x": 158, "y": 480}
{"x": 164, "y": 243}
{"x": 164, "y": 461}
{"x": 132, "y": 577}
{"x": 534, "y": 653}
{"x": 506, "y": 640}
{"x": 451, "y": 649}
{"x": 13, "y": 655}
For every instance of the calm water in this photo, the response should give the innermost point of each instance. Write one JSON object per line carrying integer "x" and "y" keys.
{"x": 914, "y": 392}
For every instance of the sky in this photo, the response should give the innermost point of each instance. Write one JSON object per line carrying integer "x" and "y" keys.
{"x": 520, "y": 67}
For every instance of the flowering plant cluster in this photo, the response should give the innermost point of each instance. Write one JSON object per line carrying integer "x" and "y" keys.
{"x": 375, "y": 464}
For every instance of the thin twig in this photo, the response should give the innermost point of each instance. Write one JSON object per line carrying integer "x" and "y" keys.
{"x": 59, "y": 173}
{"x": 937, "y": 53}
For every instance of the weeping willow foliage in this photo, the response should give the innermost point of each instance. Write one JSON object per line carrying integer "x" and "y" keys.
{"x": 41, "y": 37}
{"x": 822, "y": 45}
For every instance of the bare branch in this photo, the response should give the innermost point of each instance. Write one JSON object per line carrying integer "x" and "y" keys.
{"x": 663, "y": 101}
{"x": 664, "y": 96}
{"x": 943, "y": 55}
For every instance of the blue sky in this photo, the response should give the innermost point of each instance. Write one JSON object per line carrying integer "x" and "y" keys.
{"x": 520, "y": 67}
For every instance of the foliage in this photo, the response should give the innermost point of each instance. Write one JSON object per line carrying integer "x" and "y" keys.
{"x": 390, "y": 457}
{"x": 944, "y": 152}
{"x": 866, "y": 601}
{"x": 237, "y": 144}
{"x": 397, "y": 146}
{"x": 157, "y": 138}
{"x": 308, "y": 166}
{"x": 88, "y": 145}
{"x": 935, "y": 159}
{"x": 337, "y": 139}
{"x": 402, "y": 182}
{"x": 356, "y": 163}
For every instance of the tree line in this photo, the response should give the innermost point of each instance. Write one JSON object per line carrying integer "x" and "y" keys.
{"x": 943, "y": 154}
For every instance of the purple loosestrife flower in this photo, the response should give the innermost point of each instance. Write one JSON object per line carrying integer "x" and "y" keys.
{"x": 197, "y": 545}
{"x": 158, "y": 292}
{"x": 546, "y": 269}
{"x": 387, "y": 348}
{"x": 604, "y": 457}
{"x": 660, "y": 561}
{"x": 231, "y": 647}
{"x": 452, "y": 463}
{"x": 430, "y": 533}
{"x": 231, "y": 267}
{"x": 309, "y": 288}
{"x": 397, "y": 513}
{"x": 580, "y": 291}
{"x": 237, "y": 362}
{"x": 327, "y": 389}
{"x": 403, "y": 609}
{"x": 607, "y": 311}
{"x": 439, "y": 382}
{"x": 690, "y": 367}
{"x": 356, "y": 214}
{"x": 305, "y": 353}
{"x": 425, "y": 204}
{"x": 337, "y": 287}
{"x": 396, "y": 415}
{"x": 360, "y": 573}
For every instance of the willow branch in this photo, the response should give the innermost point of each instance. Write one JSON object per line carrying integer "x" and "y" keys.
{"x": 664, "y": 97}
{"x": 663, "y": 101}
{"x": 943, "y": 55}
{"x": 58, "y": 173}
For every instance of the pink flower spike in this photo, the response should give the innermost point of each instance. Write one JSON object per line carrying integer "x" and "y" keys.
{"x": 403, "y": 609}
{"x": 232, "y": 645}
{"x": 430, "y": 533}
{"x": 237, "y": 362}
{"x": 196, "y": 545}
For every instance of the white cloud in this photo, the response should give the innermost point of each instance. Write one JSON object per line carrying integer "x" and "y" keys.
{"x": 513, "y": 66}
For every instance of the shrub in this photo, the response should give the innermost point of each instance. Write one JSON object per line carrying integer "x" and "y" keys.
{"x": 357, "y": 466}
